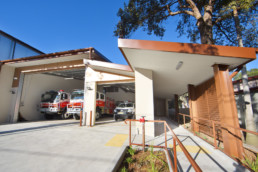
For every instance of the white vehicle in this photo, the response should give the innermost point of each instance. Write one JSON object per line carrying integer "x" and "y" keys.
{"x": 76, "y": 104}
{"x": 124, "y": 110}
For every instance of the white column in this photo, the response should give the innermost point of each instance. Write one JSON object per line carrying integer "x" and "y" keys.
{"x": 17, "y": 100}
{"x": 90, "y": 102}
{"x": 144, "y": 99}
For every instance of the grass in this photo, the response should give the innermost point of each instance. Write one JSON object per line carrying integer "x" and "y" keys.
{"x": 251, "y": 162}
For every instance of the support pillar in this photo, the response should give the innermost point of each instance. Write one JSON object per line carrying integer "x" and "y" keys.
{"x": 144, "y": 99}
{"x": 176, "y": 117}
{"x": 233, "y": 145}
{"x": 15, "y": 116}
{"x": 90, "y": 103}
{"x": 193, "y": 108}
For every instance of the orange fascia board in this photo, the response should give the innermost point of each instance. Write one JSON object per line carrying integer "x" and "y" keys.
{"x": 108, "y": 65}
{"x": 56, "y": 55}
{"x": 202, "y": 49}
{"x": 47, "y": 56}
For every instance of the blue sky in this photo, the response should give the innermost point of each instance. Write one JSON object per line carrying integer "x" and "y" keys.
{"x": 59, "y": 25}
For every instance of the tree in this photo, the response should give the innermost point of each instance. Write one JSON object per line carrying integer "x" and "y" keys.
{"x": 199, "y": 19}
{"x": 250, "y": 73}
{"x": 239, "y": 27}
{"x": 248, "y": 112}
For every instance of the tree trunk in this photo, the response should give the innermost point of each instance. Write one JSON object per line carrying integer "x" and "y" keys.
{"x": 205, "y": 26}
{"x": 249, "y": 117}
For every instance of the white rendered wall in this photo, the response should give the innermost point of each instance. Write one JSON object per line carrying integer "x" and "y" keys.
{"x": 6, "y": 79}
{"x": 121, "y": 95}
{"x": 37, "y": 84}
{"x": 144, "y": 99}
{"x": 90, "y": 102}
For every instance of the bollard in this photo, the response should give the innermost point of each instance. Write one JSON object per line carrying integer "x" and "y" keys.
{"x": 90, "y": 118}
{"x": 80, "y": 118}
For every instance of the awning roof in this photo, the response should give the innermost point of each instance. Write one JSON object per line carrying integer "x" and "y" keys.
{"x": 63, "y": 56}
{"x": 111, "y": 68}
{"x": 197, "y": 61}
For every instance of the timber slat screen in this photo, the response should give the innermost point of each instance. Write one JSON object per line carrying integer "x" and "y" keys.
{"x": 216, "y": 127}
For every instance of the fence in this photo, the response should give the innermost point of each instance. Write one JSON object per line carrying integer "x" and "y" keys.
{"x": 213, "y": 126}
{"x": 175, "y": 140}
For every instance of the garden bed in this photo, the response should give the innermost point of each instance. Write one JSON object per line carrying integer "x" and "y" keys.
{"x": 138, "y": 160}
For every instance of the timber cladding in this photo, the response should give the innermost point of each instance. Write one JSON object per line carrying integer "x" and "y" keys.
{"x": 207, "y": 106}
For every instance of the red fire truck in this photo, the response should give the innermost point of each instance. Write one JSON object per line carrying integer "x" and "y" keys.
{"x": 76, "y": 103}
{"x": 54, "y": 103}
{"x": 104, "y": 105}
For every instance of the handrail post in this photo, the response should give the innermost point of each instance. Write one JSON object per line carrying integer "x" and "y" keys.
{"x": 214, "y": 135}
{"x": 143, "y": 137}
{"x": 80, "y": 118}
{"x": 130, "y": 133}
{"x": 175, "y": 157}
{"x": 142, "y": 120}
{"x": 184, "y": 120}
{"x": 165, "y": 130}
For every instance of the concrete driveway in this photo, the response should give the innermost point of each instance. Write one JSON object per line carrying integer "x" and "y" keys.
{"x": 61, "y": 145}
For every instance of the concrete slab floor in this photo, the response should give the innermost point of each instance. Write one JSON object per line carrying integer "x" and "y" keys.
{"x": 59, "y": 145}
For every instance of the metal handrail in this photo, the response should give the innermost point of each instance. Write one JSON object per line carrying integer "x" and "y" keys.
{"x": 220, "y": 123}
{"x": 175, "y": 139}
{"x": 213, "y": 127}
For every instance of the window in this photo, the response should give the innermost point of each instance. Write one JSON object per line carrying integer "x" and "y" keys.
{"x": 64, "y": 96}
{"x": 22, "y": 51}
{"x": 6, "y": 48}
{"x": 102, "y": 96}
{"x": 97, "y": 96}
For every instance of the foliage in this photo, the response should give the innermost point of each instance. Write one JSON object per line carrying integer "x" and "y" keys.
{"x": 129, "y": 160}
{"x": 131, "y": 151}
{"x": 123, "y": 169}
{"x": 210, "y": 20}
{"x": 251, "y": 162}
{"x": 247, "y": 23}
{"x": 250, "y": 73}
{"x": 153, "y": 158}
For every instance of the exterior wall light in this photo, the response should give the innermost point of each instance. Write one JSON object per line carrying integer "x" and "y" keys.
{"x": 179, "y": 65}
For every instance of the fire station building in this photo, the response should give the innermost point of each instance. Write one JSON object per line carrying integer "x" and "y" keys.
{"x": 159, "y": 71}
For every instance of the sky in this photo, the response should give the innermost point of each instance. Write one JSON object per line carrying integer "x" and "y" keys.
{"x": 60, "y": 25}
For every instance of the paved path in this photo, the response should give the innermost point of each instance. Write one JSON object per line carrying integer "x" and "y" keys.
{"x": 208, "y": 158}
{"x": 61, "y": 145}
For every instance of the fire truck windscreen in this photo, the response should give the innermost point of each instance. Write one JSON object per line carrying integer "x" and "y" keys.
{"x": 77, "y": 95}
{"x": 49, "y": 96}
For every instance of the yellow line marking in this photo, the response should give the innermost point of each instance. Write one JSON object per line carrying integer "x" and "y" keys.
{"x": 191, "y": 149}
{"x": 117, "y": 141}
